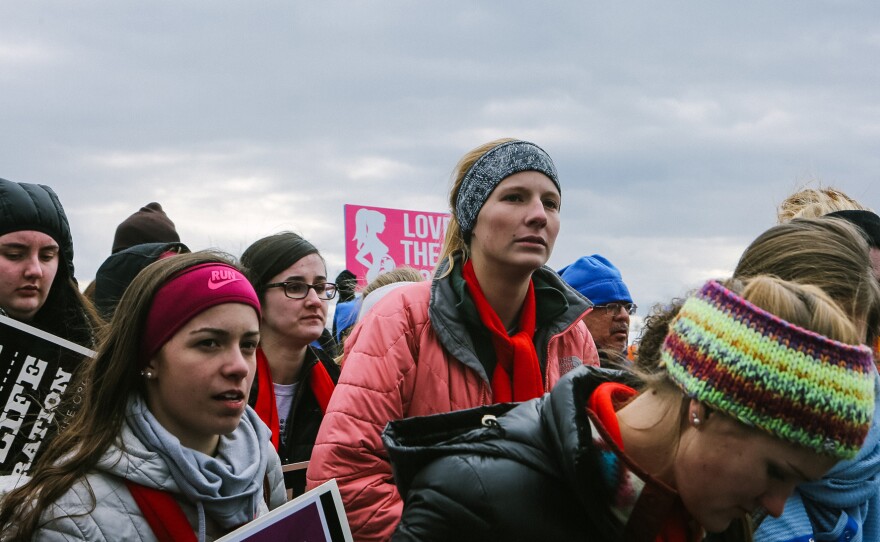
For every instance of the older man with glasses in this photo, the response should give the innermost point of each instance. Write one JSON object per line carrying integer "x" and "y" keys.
{"x": 600, "y": 281}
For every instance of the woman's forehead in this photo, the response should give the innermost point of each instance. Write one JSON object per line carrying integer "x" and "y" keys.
{"x": 31, "y": 238}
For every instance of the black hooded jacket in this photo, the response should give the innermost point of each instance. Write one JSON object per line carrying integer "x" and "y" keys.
{"x": 522, "y": 472}
{"x": 120, "y": 268}
{"x": 36, "y": 207}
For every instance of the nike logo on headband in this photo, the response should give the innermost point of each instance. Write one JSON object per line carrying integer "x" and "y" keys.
{"x": 220, "y": 279}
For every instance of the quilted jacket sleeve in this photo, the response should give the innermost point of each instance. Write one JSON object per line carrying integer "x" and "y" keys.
{"x": 375, "y": 387}
{"x": 108, "y": 515}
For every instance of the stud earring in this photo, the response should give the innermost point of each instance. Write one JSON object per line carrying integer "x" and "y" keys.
{"x": 695, "y": 420}
{"x": 146, "y": 373}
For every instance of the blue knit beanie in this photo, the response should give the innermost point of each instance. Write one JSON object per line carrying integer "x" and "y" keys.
{"x": 596, "y": 279}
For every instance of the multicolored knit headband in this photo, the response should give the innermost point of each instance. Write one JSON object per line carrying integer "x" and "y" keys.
{"x": 793, "y": 383}
{"x": 493, "y": 167}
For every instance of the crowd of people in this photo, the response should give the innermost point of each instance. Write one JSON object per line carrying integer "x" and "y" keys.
{"x": 499, "y": 400}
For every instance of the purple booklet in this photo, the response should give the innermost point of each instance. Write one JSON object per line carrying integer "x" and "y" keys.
{"x": 314, "y": 516}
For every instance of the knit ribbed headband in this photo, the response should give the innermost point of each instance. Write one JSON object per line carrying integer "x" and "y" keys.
{"x": 493, "y": 167}
{"x": 793, "y": 383}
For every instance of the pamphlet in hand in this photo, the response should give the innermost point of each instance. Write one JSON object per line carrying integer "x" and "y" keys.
{"x": 314, "y": 516}
{"x": 35, "y": 370}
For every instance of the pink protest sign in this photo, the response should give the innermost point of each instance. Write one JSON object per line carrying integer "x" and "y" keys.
{"x": 379, "y": 239}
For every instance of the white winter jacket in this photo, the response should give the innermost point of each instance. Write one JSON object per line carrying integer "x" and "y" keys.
{"x": 112, "y": 513}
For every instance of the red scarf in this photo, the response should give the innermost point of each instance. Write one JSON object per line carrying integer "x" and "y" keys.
{"x": 267, "y": 409}
{"x": 163, "y": 514}
{"x": 517, "y": 375}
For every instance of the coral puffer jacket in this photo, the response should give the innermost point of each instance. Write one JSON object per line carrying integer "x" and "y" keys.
{"x": 413, "y": 356}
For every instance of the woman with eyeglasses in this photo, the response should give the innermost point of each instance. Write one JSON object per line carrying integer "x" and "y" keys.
{"x": 294, "y": 379}
{"x": 494, "y": 325}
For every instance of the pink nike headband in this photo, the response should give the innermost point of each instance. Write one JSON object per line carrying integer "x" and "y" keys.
{"x": 189, "y": 293}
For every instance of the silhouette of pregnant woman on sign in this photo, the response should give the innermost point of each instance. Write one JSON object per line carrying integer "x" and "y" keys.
{"x": 368, "y": 225}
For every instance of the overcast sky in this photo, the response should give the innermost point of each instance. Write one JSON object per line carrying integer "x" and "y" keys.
{"x": 676, "y": 127}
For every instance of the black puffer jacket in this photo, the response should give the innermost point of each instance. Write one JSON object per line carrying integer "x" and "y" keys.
{"x": 529, "y": 472}
{"x": 36, "y": 207}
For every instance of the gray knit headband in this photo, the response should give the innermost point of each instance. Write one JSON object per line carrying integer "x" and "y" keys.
{"x": 493, "y": 167}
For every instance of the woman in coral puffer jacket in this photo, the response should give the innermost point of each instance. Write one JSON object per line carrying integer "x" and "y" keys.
{"x": 494, "y": 325}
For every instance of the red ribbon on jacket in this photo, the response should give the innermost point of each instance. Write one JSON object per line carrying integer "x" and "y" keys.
{"x": 163, "y": 514}
{"x": 517, "y": 375}
{"x": 267, "y": 408}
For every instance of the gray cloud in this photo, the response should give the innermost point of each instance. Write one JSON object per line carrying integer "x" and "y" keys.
{"x": 676, "y": 127}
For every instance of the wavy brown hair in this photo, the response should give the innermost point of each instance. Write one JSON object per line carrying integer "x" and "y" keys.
{"x": 108, "y": 382}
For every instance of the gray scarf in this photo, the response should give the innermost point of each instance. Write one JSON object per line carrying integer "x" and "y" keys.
{"x": 227, "y": 486}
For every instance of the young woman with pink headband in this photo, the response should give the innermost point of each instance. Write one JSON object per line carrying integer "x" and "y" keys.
{"x": 165, "y": 446}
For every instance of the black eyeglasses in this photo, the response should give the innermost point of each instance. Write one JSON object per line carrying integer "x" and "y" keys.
{"x": 297, "y": 289}
{"x": 614, "y": 308}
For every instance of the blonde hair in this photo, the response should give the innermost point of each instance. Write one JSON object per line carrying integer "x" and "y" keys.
{"x": 403, "y": 273}
{"x": 454, "y": 243}
{"x": 829, "y": 253}
{"x": 804, "y": 305}
{"x": 815, "y": 202}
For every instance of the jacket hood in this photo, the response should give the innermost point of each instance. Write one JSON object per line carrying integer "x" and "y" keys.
{"x": 852, "y": 482}
{"x": 413, "y": 443}
{"x": 843, "y": 503}
{"x": 129, "y": 459}
{"x": 118, "y": 270}
{"x": 506, "y": 430}
{"x": 36, "y": 207}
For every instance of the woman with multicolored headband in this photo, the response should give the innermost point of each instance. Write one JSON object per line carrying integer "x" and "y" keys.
{"x": 164, "y": 446}
{"x": 495, "y": 325}
{"x": 761, "y": 386}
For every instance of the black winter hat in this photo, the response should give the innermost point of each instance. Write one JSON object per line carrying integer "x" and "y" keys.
{"x": 148, "y": 225}
{"x": 867, "y": 221}
{"x": 346, "y": 281}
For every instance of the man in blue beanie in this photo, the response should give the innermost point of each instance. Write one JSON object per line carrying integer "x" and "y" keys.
{"x": 599, "y": 280}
